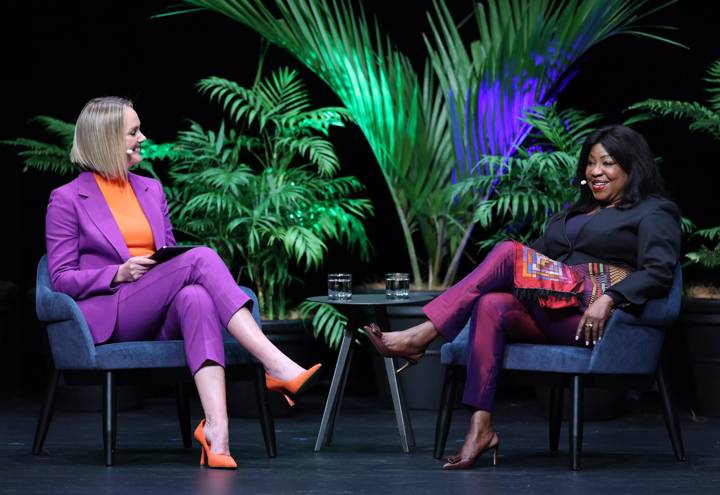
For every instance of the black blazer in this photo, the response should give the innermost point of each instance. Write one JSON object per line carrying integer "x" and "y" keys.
{"x": 644, "y": 238}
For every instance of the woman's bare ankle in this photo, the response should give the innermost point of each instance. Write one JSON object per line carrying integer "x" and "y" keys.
{"x": 217, "y": 436}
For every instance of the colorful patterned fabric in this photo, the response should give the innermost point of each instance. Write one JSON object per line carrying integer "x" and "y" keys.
{"x": 556, "y": 285}
{"x": 602, "y": 276}
{"x": 552, "y": 283}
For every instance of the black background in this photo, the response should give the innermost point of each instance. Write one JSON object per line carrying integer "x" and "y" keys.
{"x": 57, "y": 55}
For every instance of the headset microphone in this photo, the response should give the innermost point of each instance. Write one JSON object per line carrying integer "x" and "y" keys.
{"x": 582, "y": 182}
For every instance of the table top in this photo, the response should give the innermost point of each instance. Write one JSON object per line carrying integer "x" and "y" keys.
{"x": 373, "y": 300}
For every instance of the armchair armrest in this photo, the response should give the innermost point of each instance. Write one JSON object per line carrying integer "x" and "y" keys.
{"x": 70, "y": 340}
{"x": 628, "y": 345}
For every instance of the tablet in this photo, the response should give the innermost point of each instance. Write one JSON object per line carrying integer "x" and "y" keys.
{"x": 168, "y": 252}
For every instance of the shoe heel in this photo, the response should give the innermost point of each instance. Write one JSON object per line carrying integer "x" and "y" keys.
{"x": 495, "y": 454}
{"x": 202, "y": 456}
{"x": 409, "y": 361}
{"x": 290, "y": 402}
{"x": 403, "y": 367}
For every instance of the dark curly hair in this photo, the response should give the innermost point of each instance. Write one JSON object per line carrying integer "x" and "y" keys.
{"x": 633, "y": 155}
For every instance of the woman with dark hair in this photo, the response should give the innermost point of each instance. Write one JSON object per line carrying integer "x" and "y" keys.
{"x": 618, "y": 244}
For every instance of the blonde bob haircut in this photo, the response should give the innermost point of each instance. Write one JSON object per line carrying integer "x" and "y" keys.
{"x": 99, "y": 141}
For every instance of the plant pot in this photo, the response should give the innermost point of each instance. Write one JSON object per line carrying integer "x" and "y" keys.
{"x": 700, "y": 323}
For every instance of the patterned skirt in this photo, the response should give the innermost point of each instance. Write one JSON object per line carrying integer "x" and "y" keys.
{"x": 557, "y": 285}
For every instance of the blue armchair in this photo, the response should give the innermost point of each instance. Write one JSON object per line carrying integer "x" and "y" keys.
{"x": 73, "y": 349}
{"x": 631, "y": 345}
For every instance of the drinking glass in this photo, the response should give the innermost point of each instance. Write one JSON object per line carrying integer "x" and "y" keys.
{"x": 397, "y": 285}
{"x": 340, "y": 286}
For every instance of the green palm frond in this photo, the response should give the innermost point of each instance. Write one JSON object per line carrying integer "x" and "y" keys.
{"x": 284, "y": 93}
{"x": 304, "y": 245}
{"x": 65, "y": 131}
{"x": 319, "y": 151}
{"x": 239, "y": 102}
{"x": 319, "y": 120}
{"x": 44, "y": 156}
{"x": 328, "y": 323}
{"x": 713, "y": 78}
{"x": 710, "y": 234}
{"x": 563, "y": 130}
{"x": 705, "y": 256}
{"x": 703, "y": 118}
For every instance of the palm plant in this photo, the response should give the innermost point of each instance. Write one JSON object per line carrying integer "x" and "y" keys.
{"x": 523, "y": 56}
{"x": 262, "y": 192}
{"x": 414, "y": 125}
{"x": 402, "y": 119}
{"x": 704, "y": 118}
{"x": 532, "y": 185}
{"x": 44, "y": 156}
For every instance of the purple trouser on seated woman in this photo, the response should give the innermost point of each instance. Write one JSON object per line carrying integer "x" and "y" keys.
{"x": 496, "y": 316}
{"x": 190, "y": 297}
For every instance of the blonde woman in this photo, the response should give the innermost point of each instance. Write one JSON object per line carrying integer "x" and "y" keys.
{"x": 102, "y": 228}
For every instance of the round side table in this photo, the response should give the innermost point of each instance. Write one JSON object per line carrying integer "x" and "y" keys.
{"x": 354, "y": 309}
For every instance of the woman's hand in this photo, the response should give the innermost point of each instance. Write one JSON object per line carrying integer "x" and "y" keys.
{"x": 133, "y": 269}
{"x": 592, "y": 323}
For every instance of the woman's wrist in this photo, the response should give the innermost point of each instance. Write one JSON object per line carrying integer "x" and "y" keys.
{"x": 608, "y": 299}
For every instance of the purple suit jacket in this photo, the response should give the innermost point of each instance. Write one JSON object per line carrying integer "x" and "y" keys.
{"x": 85, "y": 247}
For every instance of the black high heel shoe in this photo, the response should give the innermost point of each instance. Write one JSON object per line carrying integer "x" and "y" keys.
{"x": 374, "y": 334}
{"x": 459, "y": 462}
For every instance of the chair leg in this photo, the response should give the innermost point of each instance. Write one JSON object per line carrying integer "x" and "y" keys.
{"x": 266, "y": 420}
{"x": 183, "y": 410}
{"x": 109, "y": 418}
{"x": 447, "y": 400}
{"x": 46, "y": 413}
{"x": 672, "y": 422}
{"x": 555, "y": 415}
{"x": 576, "y": 421}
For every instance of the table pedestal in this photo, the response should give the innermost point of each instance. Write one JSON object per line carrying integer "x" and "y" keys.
{"x": 337, "y": 387}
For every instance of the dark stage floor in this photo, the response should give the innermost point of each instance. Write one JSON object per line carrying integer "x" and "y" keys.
{"x": 631, "y": 454}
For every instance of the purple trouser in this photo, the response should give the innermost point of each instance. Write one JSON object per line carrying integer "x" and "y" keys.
{"x": 190, "y": 297}
{"x": 496, "y": 316}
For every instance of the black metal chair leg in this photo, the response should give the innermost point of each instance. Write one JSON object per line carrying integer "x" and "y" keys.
{"x": 183, "y": 410}
{"x": 46, "y": 413}
{"x": 266, "y": 420}
{"x": 447, "y": 400}
{"x": 555, "y": 415}
{"x": 109, "y": 418}
{"x": 672, "y": 422}
{"x": 576, "y": 421}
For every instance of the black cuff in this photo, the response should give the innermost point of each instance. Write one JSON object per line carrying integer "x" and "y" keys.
{"x": 618, "y": 299}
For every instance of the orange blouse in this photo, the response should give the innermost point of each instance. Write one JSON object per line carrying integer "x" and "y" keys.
{"x": 128, "y": 215}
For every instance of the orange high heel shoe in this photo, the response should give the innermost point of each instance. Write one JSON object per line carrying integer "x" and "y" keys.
{"x": 293, "y": 387}
{"x": 215, "y": 461}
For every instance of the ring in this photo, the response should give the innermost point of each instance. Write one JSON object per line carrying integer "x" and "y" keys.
{"x": 588, "y": 325}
